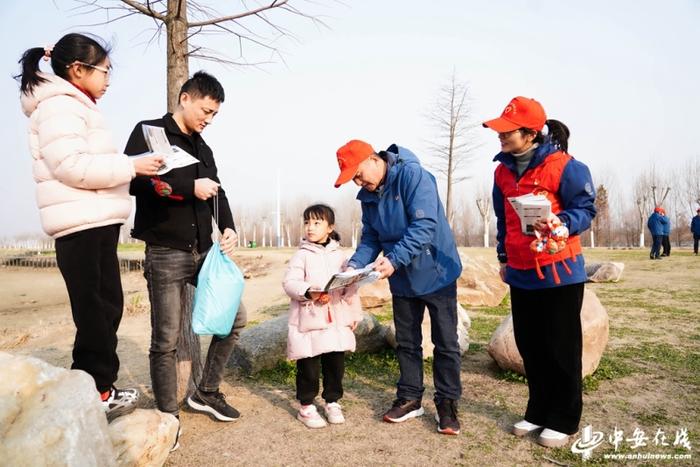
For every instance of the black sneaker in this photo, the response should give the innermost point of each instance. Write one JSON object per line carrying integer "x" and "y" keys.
{"x": 446, "y": 417}
{"x": 213, "y": 403}
{"x": 401, "y": 410}
{"x": 120, "y": 402}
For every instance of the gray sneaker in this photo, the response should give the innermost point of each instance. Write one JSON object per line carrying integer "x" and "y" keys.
{"x": 120, "y": 402}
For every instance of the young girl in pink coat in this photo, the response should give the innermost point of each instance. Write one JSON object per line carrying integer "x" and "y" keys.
{"x": 321, "y": 324}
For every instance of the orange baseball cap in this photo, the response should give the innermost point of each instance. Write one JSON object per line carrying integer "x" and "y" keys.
{"x": 349, "y": 158}
{"x": 521, "y": 112}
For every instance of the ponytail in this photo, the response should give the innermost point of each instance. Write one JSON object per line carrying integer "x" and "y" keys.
{"x": 30, "y": 69}
{"x": 334, "y": 236}
{"x": 559, "y": 133}
{"x": 69, "y": 49}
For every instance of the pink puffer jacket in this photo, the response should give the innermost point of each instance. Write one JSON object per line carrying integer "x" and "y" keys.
{"x": 82, "y": 180}
{"x": 316, "y": 329}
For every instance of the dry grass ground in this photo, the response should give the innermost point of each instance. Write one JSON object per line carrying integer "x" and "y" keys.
{"x": 648, "y": 378}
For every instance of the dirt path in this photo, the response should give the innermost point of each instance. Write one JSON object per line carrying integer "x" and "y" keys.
{"x": 653, "y": 361}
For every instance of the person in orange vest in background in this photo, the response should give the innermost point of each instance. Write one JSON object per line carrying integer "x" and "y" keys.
{"x": 544, "y": 268}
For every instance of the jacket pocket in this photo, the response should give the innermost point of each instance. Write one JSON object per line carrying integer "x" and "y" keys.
{"x": 312, "y": 317}
{"x": 423, "y": 270}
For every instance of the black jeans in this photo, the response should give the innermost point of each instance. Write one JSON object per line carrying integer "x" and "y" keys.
{"x": 666, "y": 244}
{"x": 696, "y": 239}
{"x": 547, "y": 326}
{"x": 408, "y": 317}
{"x": 656, "y": 246}
{"x": 333, "y": 367}
{"x": 167, "y": 272}
{"x": 89, "y": 266}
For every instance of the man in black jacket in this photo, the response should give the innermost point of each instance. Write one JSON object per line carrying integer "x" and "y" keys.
{"x": 174, "y": 218}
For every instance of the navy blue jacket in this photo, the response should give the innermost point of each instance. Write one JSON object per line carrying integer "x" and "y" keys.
{"x": 405, "y": 220}
{"x": 656, "y": 223}
{"x": 695, "y": 225}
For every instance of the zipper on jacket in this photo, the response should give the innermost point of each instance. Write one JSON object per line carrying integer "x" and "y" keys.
{"x": 328, "y": 305}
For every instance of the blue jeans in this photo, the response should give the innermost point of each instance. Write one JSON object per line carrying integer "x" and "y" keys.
{"x": 167, "y": 273}
{"x": 408, "y": 317}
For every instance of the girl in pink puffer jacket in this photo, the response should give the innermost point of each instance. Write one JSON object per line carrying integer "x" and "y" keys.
{"x": 82, "y": 191}
{"x": 321, "y": 324}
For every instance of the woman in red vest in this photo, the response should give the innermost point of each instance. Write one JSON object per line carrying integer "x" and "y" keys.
{"x": 546, "y": 285}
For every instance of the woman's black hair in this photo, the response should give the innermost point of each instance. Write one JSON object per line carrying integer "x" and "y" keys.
{"x": 558, "y": 133}
{"x": 70, "y": 48}
{"x": 325, "y": 213}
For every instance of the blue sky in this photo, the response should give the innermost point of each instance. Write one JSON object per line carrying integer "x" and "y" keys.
{"x": 623, "y": 75}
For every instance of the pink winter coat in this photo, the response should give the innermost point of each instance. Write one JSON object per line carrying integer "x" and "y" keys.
{"x": 82, "y": 180}
{"x": 317, "y": 329}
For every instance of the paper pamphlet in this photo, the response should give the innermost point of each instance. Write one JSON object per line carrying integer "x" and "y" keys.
{"x": 530, "y": 207}
{"x": 357, "y": 277}
{"x": 158, "y": 143}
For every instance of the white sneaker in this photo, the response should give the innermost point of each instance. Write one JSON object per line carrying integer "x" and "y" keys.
{"x": 309, "y": 416}
{"x": 552, "y": 439}
{"x": 176, "y": 445}
{"x": 334, "y": 413}
{"x": 524, "y": 427}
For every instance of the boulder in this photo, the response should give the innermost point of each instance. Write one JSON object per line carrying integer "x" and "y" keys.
{"x": 265, "y": 345}
{"x": 594, "y": 324}
{"x": 463, "y": 325}
{"x": 143, "y": 438}
{"x": 375, "y": 294}
{"x": 480, "y": 284}
{"x": 604, "y": 272}
{"x": 50, "y": 416}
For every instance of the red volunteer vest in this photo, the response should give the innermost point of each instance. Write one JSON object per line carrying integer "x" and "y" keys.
{"x": 543, "y": 179}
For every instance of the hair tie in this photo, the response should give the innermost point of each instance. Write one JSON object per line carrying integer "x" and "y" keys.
{"x": 47, "y": 52}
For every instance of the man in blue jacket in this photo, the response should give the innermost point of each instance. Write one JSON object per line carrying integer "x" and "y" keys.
{"x": 403, "y": 218}
{"x": 695, "y": 229}
{"x": 656, "y": 224}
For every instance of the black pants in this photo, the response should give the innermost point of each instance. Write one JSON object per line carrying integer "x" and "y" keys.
{"x": 696, "y": 239}
{"x": 89, "y": 265}
{"x": 666, "y": 244}
{"x": 547, "y": 325}
{"x": 333, "y": 367}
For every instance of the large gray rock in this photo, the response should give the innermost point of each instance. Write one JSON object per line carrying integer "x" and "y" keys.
{"x": 594, "y": 323}
{"x": 370, "y": 334}
{"x": 265, "y": 345}
{"x": 50, "y": 416}
{"x": 143, "y": 438}
{"x": 463, "y": 325}
{"x": 604, "y": 272}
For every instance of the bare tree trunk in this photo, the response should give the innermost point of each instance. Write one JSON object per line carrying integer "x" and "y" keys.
{"x": 178, "y": 65}
{"x": 592, "y": 239}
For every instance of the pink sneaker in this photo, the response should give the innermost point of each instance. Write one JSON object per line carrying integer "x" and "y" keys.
{"x": 334, "y": 413}
{"x": 309, "y": 416}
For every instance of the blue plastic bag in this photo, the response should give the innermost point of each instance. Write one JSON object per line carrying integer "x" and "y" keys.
{"x": 218, "y": 294}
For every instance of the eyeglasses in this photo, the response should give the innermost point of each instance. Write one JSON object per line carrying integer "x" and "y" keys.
{"x": 104, "y": 70}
